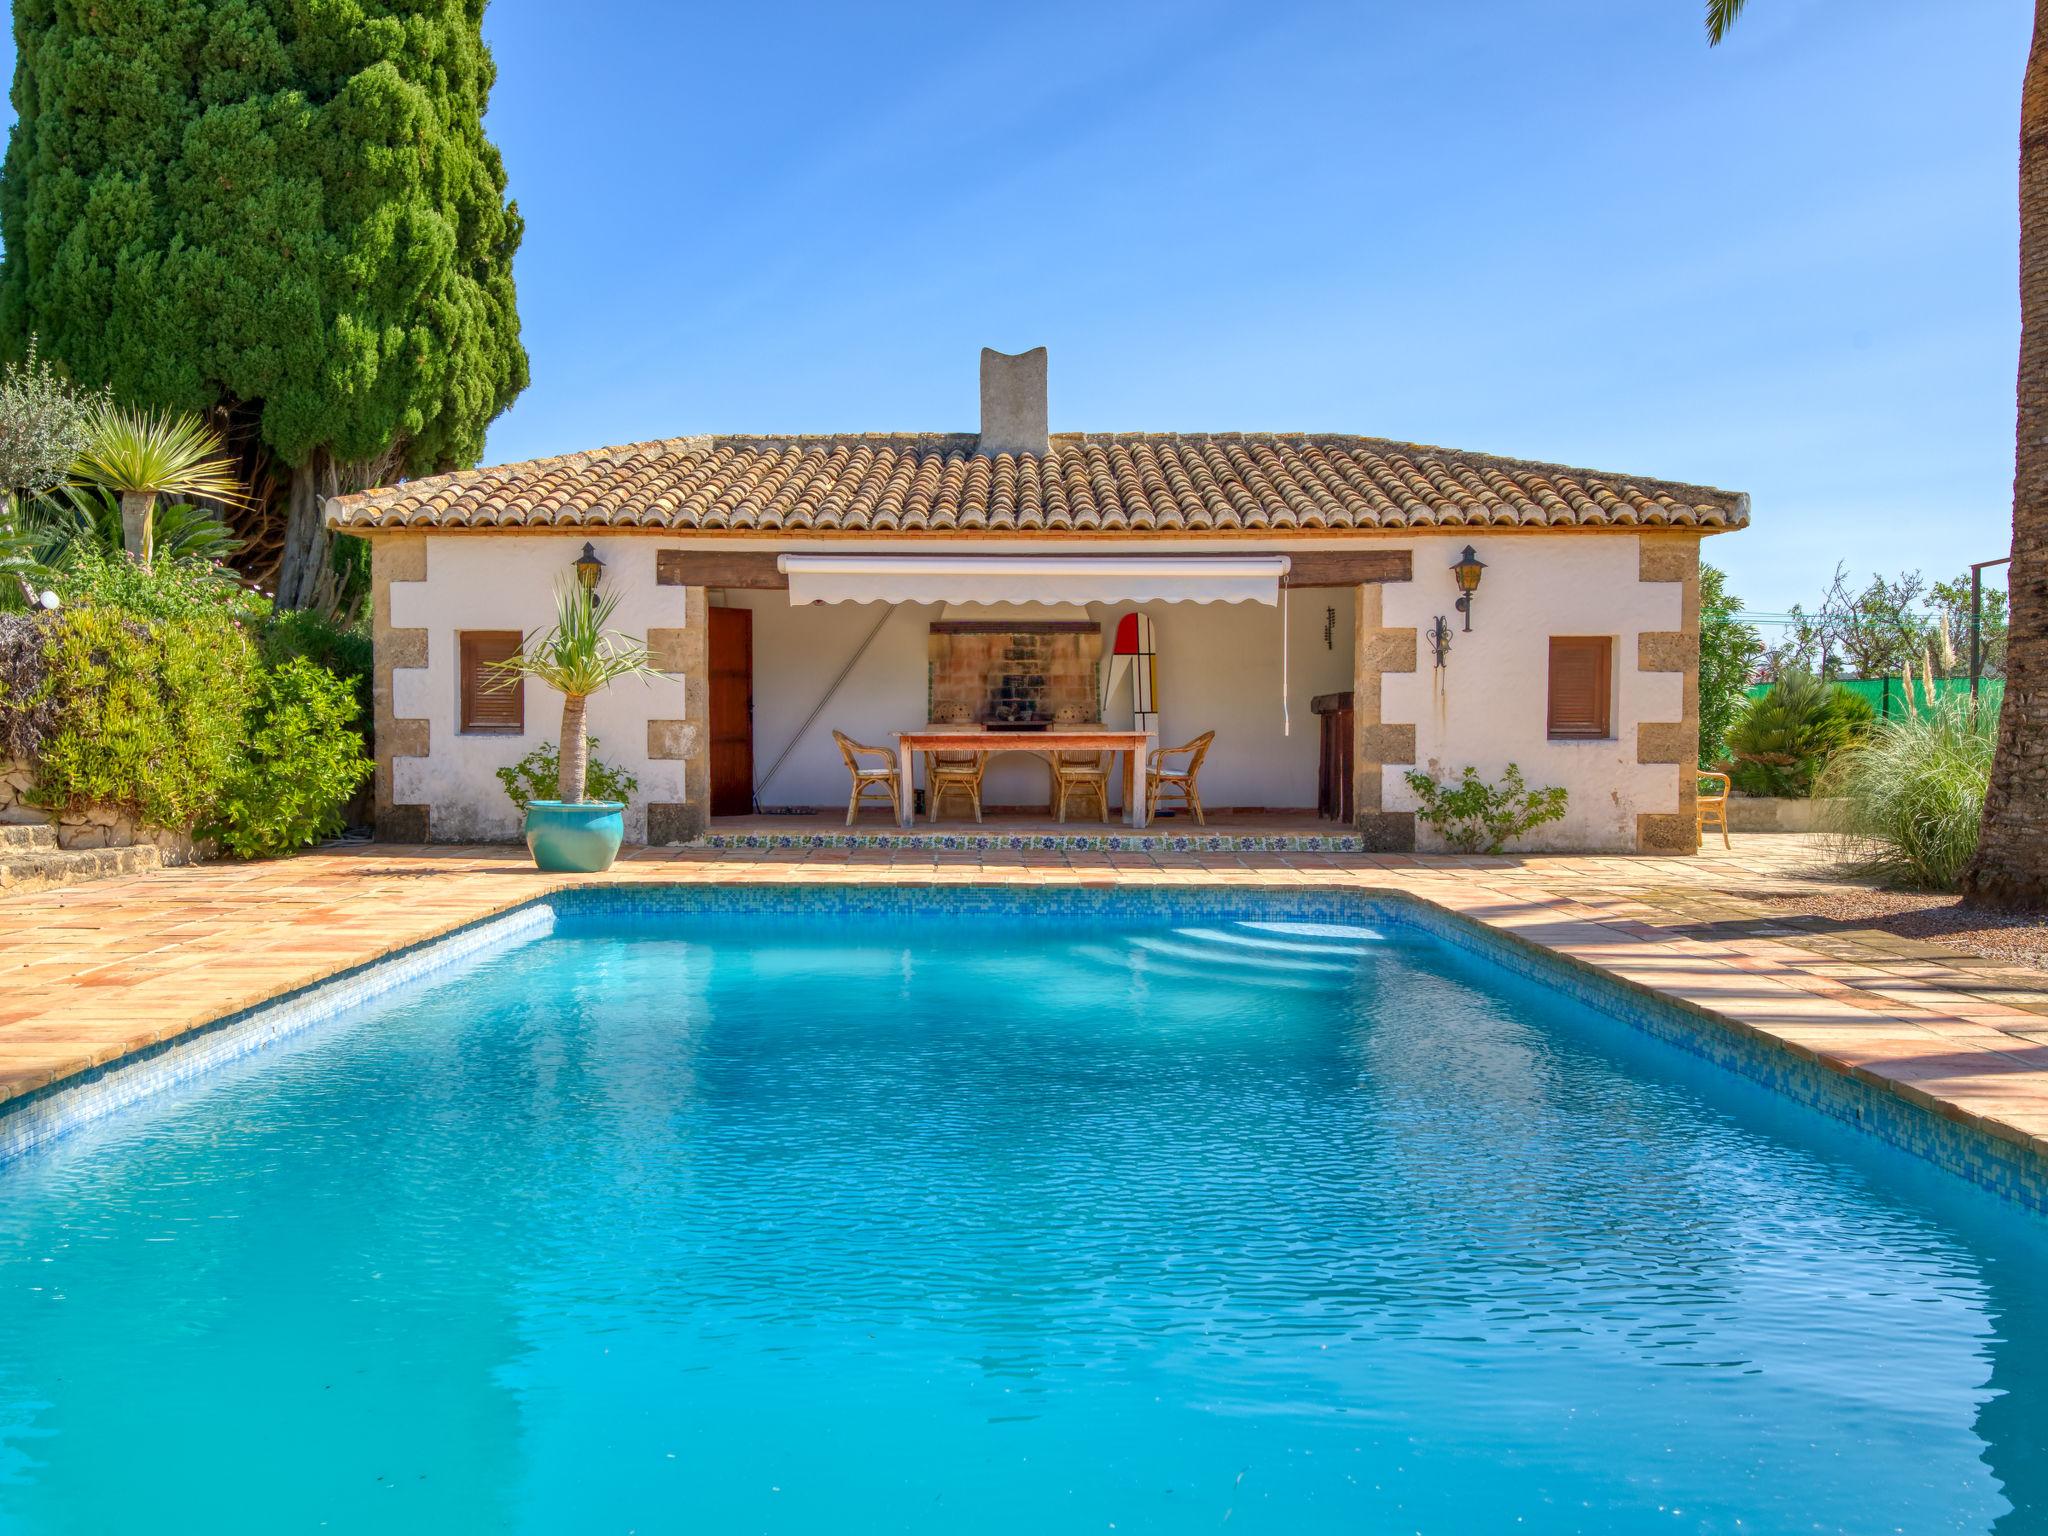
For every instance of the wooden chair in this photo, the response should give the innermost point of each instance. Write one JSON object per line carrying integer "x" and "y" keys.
{"x": 954, "y": 773}
{"x": 1080, "y": 773}
{"x": 1713, "y": 807}
{"x": 1159, "y": 779}
{"x": 865, "y": 779}
{"x": 1077, "y": 773}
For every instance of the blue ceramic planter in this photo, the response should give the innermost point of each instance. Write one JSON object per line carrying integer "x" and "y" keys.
{"x": 575, "y": 839}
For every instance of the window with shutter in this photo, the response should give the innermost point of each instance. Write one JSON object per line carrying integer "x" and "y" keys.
{"x": 1581, "y": 687}
{"x": 491, "y": 706}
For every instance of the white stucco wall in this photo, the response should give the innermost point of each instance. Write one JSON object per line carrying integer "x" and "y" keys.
{"x": 1219, "y": 669}
{"x": 1488, "y": 706}
{"x": 508, "y": 582}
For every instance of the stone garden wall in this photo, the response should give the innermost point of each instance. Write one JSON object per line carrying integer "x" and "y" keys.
{"x": 92, "y": 826}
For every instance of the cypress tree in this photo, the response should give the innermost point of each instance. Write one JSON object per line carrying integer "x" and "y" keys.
{"x": 284, "y": 212}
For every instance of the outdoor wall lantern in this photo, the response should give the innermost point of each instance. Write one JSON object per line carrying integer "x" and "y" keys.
{"x": 1467, "y": 572}
{"x": 589, "y": 568}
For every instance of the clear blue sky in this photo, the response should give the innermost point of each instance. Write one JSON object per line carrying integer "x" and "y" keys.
{"x": 1559, "y": 231}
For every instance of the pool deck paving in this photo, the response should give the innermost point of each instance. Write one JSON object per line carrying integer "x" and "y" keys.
{"x": 93, "y": 973}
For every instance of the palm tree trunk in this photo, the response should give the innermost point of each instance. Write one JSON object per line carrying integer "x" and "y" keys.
{"x": 138, "y": 531}
{"x": 575, "y": 759}
{"x": 2011, "y": 865}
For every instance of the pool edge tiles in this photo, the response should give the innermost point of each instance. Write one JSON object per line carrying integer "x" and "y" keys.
{"x": 40, "y": 1116}
{"x": 2009, "y": 1170}
{"x": 2003, "y": 1168}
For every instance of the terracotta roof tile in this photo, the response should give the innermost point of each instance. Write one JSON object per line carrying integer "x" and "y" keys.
{"x": 1087, "y": 483}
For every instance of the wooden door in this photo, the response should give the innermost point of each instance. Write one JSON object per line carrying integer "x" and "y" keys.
{"x": 732, "y": 711}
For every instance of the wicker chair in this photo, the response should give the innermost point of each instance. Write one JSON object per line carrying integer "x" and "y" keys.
{"x": 867, "y": 778}
{"x": 1077, "y": 773}
{"x": 1160, "y": 779}
{"x": 1713, "y": 807}
{"x": 953, "y": 773}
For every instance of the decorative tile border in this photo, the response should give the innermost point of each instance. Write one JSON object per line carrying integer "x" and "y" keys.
{"x": 39, "y": 1117}
{"x": 1045, "y": 842}
{"x": 2010, "y": 1172}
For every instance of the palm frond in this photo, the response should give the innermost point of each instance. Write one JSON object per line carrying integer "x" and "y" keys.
{"x": 24, "y": 573}
{"x": 162, "y": 454}
{"x": 579, "y": 656}
{"x": 1721, "y": 16}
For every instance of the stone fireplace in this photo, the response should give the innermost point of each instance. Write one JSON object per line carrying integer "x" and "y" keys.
{"x": 1015, "y": 672}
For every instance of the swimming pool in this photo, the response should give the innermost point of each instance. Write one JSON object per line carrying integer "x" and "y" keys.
{"x": 1023, "y": 1213}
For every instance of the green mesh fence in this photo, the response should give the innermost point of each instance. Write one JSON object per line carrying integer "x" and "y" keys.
{"x": 1887, "y": 695}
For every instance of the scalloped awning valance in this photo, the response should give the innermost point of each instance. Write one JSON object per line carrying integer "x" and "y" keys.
{"x": 879, "y": 578}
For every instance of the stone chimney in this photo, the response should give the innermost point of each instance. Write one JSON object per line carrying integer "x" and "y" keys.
{"x": 1013, "y": 414}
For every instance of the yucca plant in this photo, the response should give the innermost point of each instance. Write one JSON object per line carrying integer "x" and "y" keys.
{"x": 76, "y": 515}
{"x": 140, "y": 456}
{"x": 1913, "y": 794}
{"x": 577, "y": 658}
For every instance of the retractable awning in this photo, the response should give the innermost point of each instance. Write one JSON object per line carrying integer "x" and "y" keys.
{"x": 881, "y": 578}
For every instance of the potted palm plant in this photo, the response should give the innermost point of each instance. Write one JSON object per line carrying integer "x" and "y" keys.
{"x": 577, "y": 658}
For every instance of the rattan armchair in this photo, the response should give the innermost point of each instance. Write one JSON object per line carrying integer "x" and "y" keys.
{"x": 1160, "y": 779}
{"x": 867, "y": 778}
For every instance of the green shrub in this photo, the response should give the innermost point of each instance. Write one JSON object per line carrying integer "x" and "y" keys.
{"x": 1780, "y": 744}
{"x": 537, "y": 775}
{"x": 343, "y": 649}
{"x": 1477, "y": 817}
{"x": 166, "y": 588}
{"x": 1729, "y": 652}
{"x": 178, "y": 720}
{"x": 302, "y": 760}
{"x": 147, "y": 715}
{"x": 1913, "y": 795}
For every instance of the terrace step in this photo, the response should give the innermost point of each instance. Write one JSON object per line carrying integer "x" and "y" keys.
{"x": 26, "y": 837}
{"x": 43, "y": 868}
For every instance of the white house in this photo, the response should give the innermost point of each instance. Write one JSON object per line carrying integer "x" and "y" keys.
{"x": 1281, "y": 571}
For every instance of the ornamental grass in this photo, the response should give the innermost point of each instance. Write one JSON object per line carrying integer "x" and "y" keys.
{"x": 1912, "y": 795}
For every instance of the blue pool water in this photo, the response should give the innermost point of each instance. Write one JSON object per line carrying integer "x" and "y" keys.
{"x": 1004, "y": 1223}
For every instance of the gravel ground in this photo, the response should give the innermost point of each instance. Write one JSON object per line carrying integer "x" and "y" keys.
{"x": 2020, "y": 939}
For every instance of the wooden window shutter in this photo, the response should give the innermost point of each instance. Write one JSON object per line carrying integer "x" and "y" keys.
{"x": 490, "y": 707}
{"x": 1581, "y": 687}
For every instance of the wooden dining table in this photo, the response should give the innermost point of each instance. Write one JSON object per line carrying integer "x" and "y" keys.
{"x": 1133, "y": 745}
